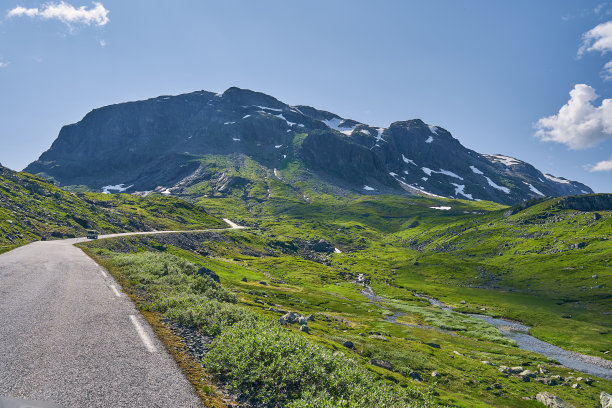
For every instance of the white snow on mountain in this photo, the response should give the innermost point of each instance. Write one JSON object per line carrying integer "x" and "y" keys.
{"x": 426, "y": 170}
{"x": 475, "y": 170}
{"x": 229, "y": 123}
{"x": 500, "y": 158}
{"x": 502, "y": 188}
{"x": 368, "y": 188}
{"x": 442, "y": 207}
{"x": 449, "y": 173}
{"x": 460, "y": 189}
{"x": 429, "y": 139}
{"x": 532, "y": 188}
{"x": 118, "y": 187}
{"x": 335, "y": 123}
{"x": 392, "y": 174}
{"x": 556, "y": 179}
{"x": 407, "y": 160}
{"x": 433, "y": 129}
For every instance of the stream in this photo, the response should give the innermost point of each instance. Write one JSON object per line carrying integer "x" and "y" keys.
{"x": 520, "y": 333}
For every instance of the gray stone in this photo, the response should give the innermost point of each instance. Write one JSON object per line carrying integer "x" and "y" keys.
{"x": 551, "y": 400}
{"x": 516, "y": 370}
{"x": 349, "y": 344}
{"x": 605, "y": 399}
{"x": 415, "y": 376}
{"x": 304, "y": 328}
{"x": 435, "y": 374}
{"x": 382, "y": 364}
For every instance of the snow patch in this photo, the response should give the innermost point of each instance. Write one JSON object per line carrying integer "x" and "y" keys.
{"x": 265, "y": 107}
{"x": 407, "y": 160}
{"x": 475, "y": 170}
{"x": 500, "y": 158}
{"x": 433, "y": 129}
{"x": 278, "y": 146}
{"x": 118, "y": 187}
{"x": 166, "y": 192}
{"x": 556, "y": 179}
{"x": 229, "y": 123}
{"x": 442, "y": 207}
{"x": 246, "y": 116}
{"x": 235, "y": 139}
{"x": 460, "y": 189}
{"x": 424, "y": 178}
{"x": 335, "y": 123}
{"x": 426, "y": 170}
{"x": 393, "y": 174}
{"x": 368, "y": 188}
{"x": 502, "y": 188}
{"x": 429, "y": 139}
{"x": 450, "y": 173}
{"x": 532, "y": 188}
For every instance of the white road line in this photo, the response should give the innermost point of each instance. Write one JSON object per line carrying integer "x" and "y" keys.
{"x": 143, "y": 335}
{"x": 115, "y": 290}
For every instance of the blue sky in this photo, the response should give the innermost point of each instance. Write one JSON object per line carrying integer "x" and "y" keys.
{"x": 488, "y": 71}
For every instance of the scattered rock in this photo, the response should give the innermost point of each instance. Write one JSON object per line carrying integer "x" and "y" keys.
{"x": 515, "y": 370}
{"x": 577, "y": 245}
{"x": 551, "y": 400}
{"x": 304, "y": 328}
{"x": 576, "y": 386}
{"x": 588, "y": 381}
{"x": 434, "y": 345}
{"x": 547, "y": 381}
{"x": 310, "y": 318}
{"x": 263, "y": 282}
{"x": 382, "y": 364}
{"x": 605, "y": 399}
{"x": 595, "y": 276}
{"x": 528, "y": 373}
{"x": 291, "y": 317}
{"x": 302, "y": 321}
{"x": 349, "y": 344}
{"x": 497, "y": 386}
{"x": 378, "y": 337}
{"x": 259, "y": 301}
{"x": 415, "y": 376}
{"x": 457, "y": 353}
{"x": 596, "y": 216}
{"x": 435, "y": 374}
{"x": 463, "y": 302}
{"x": 272, "y": 309}
{"x": 243, "y": 279}
{"x": 282, "y": 321}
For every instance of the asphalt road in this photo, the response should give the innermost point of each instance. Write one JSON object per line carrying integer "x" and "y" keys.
{"x": 69, "y": 335}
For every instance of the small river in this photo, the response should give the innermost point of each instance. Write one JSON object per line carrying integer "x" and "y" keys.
{"x": 520, "y": 333}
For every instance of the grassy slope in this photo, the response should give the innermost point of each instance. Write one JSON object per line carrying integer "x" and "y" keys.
{"x": 31, "y": 208}
{"x": 452, "y": 248}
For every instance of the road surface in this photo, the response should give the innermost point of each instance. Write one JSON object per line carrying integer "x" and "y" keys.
{"x": 69, "y": 335}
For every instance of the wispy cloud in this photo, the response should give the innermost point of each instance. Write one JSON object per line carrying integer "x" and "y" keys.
{"x": 66, "y": 13}
{"x": 103, "y": 43}
{"x": 579, "y": 124}
{"x": 597, "y": 39}
{"x": 4, "y": 64}
{"x": 604, "y": 165}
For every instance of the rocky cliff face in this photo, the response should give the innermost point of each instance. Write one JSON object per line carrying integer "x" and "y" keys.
{"x": 157, "y": 143}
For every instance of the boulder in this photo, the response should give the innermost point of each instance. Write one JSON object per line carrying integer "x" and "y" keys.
{"x": 304, "y": 328}
{"x": 282, "y": 321}
{"x": 302, "y": 321}
{"x": 605, "y": 399}
{"x": 435, "y": 374}
{"x": 528, "y": 373}
{"x": 551, "y": 400}
{"x": 349, "y": 344}
{"x": 382, "y": 364}
{"x": 515, "y": 370}
{"x": 243, "y": 279}
{"x": 310, "y": 318}
{"x": 415, "y": 376}
{"x": 378, "y": 337}
{"x": 291, "y": 317}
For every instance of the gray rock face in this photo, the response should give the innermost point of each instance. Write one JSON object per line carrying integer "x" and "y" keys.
{"x": 605, "y": 399}
{"x": 155, "y": 145}
{"x": 551, "y": 400}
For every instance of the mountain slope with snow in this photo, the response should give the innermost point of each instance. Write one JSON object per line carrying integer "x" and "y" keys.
{"x": 158, "y": 144}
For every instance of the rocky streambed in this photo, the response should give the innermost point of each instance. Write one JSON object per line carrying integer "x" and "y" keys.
{"x": 520, "y": 333}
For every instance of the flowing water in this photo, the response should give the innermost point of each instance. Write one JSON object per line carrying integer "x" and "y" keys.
{"x": 520, "y": 333}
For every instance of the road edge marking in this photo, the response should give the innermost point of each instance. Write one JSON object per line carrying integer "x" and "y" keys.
{"x": 115, "y": 290}
{"x": 146, "y": 340}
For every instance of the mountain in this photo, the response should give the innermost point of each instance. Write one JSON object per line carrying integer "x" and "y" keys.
{"x": 165, "y": 144}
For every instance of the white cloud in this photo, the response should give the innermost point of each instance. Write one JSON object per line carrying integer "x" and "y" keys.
{"x": 598, "y": 39}
{"x": 103, "y": 43}
{"x": 606, "y": 74}
{"x": 3, "y": 64}
{"x": 579, "y": 124}
{"x": 66, "y": 13}
{"x": 605, "y": 165}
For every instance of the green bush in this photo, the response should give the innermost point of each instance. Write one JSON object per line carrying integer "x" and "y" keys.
{"x": 270, "y": 365}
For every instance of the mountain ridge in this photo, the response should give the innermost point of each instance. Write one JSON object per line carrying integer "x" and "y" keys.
{"x": 157, "y": 144}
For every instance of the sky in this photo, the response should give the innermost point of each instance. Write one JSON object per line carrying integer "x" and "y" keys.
{"x": 523, "y": 78}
